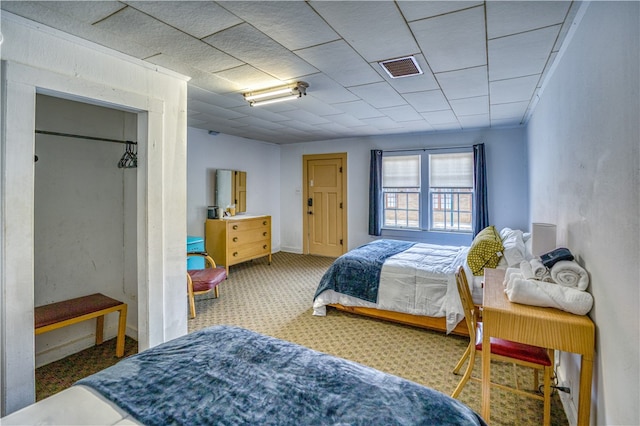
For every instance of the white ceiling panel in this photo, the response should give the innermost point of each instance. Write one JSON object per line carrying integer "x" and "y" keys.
{"x": 513, "y": 17}
{"x": 510, "y": 111}
{"x": 521, "y": 54}
{"x": 440, "y": 117}
{"x": 453, "y": 41}
{"x": 378, "y": 95}
{"x": 334, "y": 46}
{"x": 340, "y": 62}
{"x": 373, "y": 28}
{"x": 293, "y": 24}
{"x": 252, "y": 46}
{"x": 401, "y": 113}
{"x": 414, "y": 10}
{"x": 432, "y": 100}
{"x": 513, "y": 90}
{"x": 470, "y": 106}
{"x": 466, "y": 83}
{"x": 197, "y": 18}
{"x": 474, "y": 121}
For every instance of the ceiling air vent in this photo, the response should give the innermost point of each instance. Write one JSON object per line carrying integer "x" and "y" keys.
{"x": 401, "y": 67}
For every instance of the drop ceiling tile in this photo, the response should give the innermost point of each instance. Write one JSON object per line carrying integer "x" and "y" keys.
{"x": 453, "y": 41}
{"x": 470, "y": 106}
{"x": 382, "y": 123}
{"x": 345, "y": 120}
{"x": 196, "y": 54}
{"x": 305, "y": 116}
{"x": 253, "y": 47}
{"x": 512, "y": 111}
{"x": 197, "y": 18}
{"x": 295, "y": 25}
{"x": 401, "y": 113}
{"x": 259, "y": 123}
{"x": 262, "y": 112}
{"x": 507, "y": 122}
{"x": 521, "y": 54}
{"x": 248, "y": 78}
{"x": 513, "y": 90}
{"x": 440, "y": 117}
{"x": 215, "y": 110}
{"x": 340, "y": 62}
{"x": 414, "y": 10}
{"x": 327, "y": 90}
{"x": 359, "y": 109}
{"x": 224, "y": 101}
{"x": 512, "y": 17}
{"x": 447, "y": 127}
{"x": 432, "y": 100}
{"x": 414, "y": 83}
{"x": 87, "y": 11}
{"x": 467, "y": 83}
{"x": 378, "y": 95}
{"x": 316, "y": 106}
{"x": 375, "y": 29}
{"x": 474, "y": 121}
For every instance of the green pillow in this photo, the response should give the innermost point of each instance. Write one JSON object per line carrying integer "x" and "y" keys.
{"x": 486, "y": 250}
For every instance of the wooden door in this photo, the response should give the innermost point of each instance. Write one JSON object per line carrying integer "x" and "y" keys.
{"x": 240, "y": 191}
{"x": 324, "y": 204}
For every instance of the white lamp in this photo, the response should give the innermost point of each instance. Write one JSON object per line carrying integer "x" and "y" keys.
{"x": 543, "y": 238}
{"x": 276, "y": 94}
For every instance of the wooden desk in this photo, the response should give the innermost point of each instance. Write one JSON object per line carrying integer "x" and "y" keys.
{"x": 533, "y": 325}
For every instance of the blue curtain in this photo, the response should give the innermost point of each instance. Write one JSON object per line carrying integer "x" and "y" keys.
{"x": 375, "y": 193}
{"x": 480, "y": 205}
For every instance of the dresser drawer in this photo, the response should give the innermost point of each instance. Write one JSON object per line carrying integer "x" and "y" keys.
{"x": 239, "y": 238}
{"x": 249, "y": 251}
{"x": 245, "y": 225}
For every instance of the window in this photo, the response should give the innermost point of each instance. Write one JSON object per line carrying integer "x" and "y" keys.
{"x": 428, "y": 191}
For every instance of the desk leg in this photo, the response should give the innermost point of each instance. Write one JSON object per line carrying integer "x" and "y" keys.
{"x": 584, "y": 402}
{"x": 486, "y": 374}
{"x": 122, "y": 328}
{"x": 99, "y": 330}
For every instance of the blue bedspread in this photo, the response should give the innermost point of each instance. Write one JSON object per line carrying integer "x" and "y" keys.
{"x": 231, "y": 376}
{"x": 357, "y": 272}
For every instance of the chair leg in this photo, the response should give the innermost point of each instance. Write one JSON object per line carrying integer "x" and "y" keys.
{"x": 216, "y": 292}
{"x": 192, "y": 302}
{"x": 467, "y": 374}
{"x": 465, "y": 355}
{"x": 548, "y": 372}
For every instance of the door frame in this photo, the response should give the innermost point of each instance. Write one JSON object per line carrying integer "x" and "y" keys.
{"x": 305, "y": 194}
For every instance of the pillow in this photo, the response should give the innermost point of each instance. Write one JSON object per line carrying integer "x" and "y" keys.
{"x": 514, "y": 247}
{"x": 485, "y": 251}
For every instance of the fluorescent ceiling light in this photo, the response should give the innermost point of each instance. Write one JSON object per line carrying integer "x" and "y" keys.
{"x": 276, "y": 94}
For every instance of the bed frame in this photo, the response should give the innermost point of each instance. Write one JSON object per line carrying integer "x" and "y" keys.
{"x": 431, "y": 323}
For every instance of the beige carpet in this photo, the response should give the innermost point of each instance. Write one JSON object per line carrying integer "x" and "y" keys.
{"x": 276, "y": 300}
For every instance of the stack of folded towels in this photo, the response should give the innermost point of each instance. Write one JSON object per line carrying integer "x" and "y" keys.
{"x": 560, "y": 285}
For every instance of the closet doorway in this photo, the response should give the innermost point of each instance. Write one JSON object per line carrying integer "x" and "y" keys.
{"x": 85, "y": 216}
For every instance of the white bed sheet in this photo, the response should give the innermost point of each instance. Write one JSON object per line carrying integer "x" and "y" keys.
{"x": 417, "y": 281}
{"x": 77, "y": 405}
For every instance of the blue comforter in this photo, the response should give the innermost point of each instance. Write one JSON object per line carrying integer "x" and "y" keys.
{"x": 232, "y": 376}
{"x": 357, "y": 272}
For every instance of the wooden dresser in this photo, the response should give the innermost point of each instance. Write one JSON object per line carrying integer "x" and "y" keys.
{"x": 237, "y": 239}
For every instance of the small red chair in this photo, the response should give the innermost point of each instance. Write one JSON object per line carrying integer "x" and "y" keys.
{"x": 202, "y": 281}
{"x": 540, "y": 359}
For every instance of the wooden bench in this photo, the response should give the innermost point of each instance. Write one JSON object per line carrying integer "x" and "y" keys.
{"x": 72, "y": 311}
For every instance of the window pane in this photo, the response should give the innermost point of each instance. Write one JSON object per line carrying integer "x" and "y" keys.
{"x": 451, "y": 170}
{"x": 401, "y": 171}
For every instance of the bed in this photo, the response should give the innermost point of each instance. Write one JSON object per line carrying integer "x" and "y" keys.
{"x": 414, "y": 283}
{"x": 230, "y": 375}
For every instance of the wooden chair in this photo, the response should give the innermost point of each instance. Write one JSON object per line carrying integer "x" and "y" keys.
{"x": 201, "y": 281}
{"x": 502, "y": 350}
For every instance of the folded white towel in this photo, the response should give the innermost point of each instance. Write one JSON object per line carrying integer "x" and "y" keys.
{"x": 510, "y": 273}
{"x": 540, "y": 293}
{"x": 534, "y": 270}
{"x": 568, "y": 273}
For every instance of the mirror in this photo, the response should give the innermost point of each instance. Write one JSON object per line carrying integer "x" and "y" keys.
{"x": 231, "y": 188}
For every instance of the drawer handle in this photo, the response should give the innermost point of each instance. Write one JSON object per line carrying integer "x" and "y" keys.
{"x": 234, "y": 227}
{"x": 235, "y": 254}
{"x": 264, "y": 234}
{"x": 235, "y": 239}
{"x": 264, "y": 246}
{"x": 264, "y": 223}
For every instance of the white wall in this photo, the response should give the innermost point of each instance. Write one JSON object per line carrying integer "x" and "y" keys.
{"x": 84, "y": 221}
{"x": 506, "y": 157}
{"x": 261, "y": 161}
{"x": 584, "y": 159}
{"x": 39, "y": 59}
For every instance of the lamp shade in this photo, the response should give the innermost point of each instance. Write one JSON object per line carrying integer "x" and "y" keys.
{"x": 543, "y": 238}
